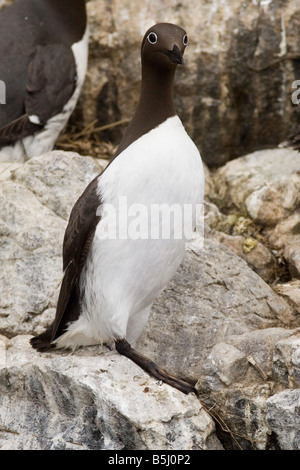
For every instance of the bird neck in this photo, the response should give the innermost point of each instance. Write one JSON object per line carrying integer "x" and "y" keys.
{"x": 67, "y": 18}
{"x": 156, "y": 98}
{"x": 155, "y": 104}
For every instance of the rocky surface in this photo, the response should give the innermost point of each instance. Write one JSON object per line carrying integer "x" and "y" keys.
{"x": 255, "y": 200}
{"x": 217, "y": 321}
{"x": 92, "y": 400}
{"x": 266, "y": 183}
{"x": 235, "y": 87}
{"x": 257, "y": 256}
{"x": 265, "y": 186}
{"x": 290, "y": 291}
{"x": 283, "y": 418}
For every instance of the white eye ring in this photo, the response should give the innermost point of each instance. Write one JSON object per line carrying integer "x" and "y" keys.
{"x": 152, "y": 38}
{"x": 185, "y": 40}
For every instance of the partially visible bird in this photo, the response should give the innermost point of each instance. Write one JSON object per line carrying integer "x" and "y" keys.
{"x": 43, "y": 51}
{"x": 110, "y": 282}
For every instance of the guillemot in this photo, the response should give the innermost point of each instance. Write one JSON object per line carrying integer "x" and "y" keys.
{"x": 43, "y": 50}
{"x": 111, "y": 282}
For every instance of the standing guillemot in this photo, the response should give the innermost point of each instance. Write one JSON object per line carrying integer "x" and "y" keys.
{"x": 43, "y": 51}
{"x": 110, "y": 283}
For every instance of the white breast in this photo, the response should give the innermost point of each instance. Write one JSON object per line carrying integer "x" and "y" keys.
{"x": 122, "y": 277}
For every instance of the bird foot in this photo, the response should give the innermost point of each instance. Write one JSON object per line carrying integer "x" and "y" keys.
{"x": 185, "y": 385}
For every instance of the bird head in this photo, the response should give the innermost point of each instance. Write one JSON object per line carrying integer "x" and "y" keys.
{"x": 163, "y": 46}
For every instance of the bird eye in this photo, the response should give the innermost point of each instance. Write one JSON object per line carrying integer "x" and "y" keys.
{"x": 185, "y": 40}
{"x": 152, "y": 38}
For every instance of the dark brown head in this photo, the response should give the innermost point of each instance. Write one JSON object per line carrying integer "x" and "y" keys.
{"x": 163, "y": 46}
{"x": 162, "y": 50}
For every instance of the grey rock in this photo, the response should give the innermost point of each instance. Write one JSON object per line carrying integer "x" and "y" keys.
{"x": 30, "y": 257}
{"x": 93, "y": 399}
{"x": 257, "y": 256}
{"x": 241, "y": 411}
{"x": 6, "y": 169}
{"x": 283, "y": 418}
{"x": 273, "y": 365}
{"x": 225, "y": 365}
{"x": 292, "y": 255}
{"x": 212, "y": 214}
{"x": 285, "y": 232}
{"x": 286, "y": 361}
{"x": 259, "y": 347}
{"x": 266, "y": 184}
{"x": 291, "y": 292}
{"x": 57, "y": 179}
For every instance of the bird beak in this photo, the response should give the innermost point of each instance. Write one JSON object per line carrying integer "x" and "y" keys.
{"x": 175, "y": 55}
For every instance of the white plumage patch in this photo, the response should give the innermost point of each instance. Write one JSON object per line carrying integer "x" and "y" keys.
{"x": 122, "y": 277}
{"x": 34, "y": 119}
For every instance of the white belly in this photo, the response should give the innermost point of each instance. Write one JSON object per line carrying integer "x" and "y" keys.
{"x": 123, "y": 276}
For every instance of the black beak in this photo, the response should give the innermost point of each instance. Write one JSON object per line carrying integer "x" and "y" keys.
{"x": 175, "y": 55}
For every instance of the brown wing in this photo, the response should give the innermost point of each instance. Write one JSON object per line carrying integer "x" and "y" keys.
{"x": 50, "y": 83}
{"x": 17, "y": 129}
{"x": 51, "y": 79}
{"x": 77, "y": 242}
{"x": 78, "y": 238}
